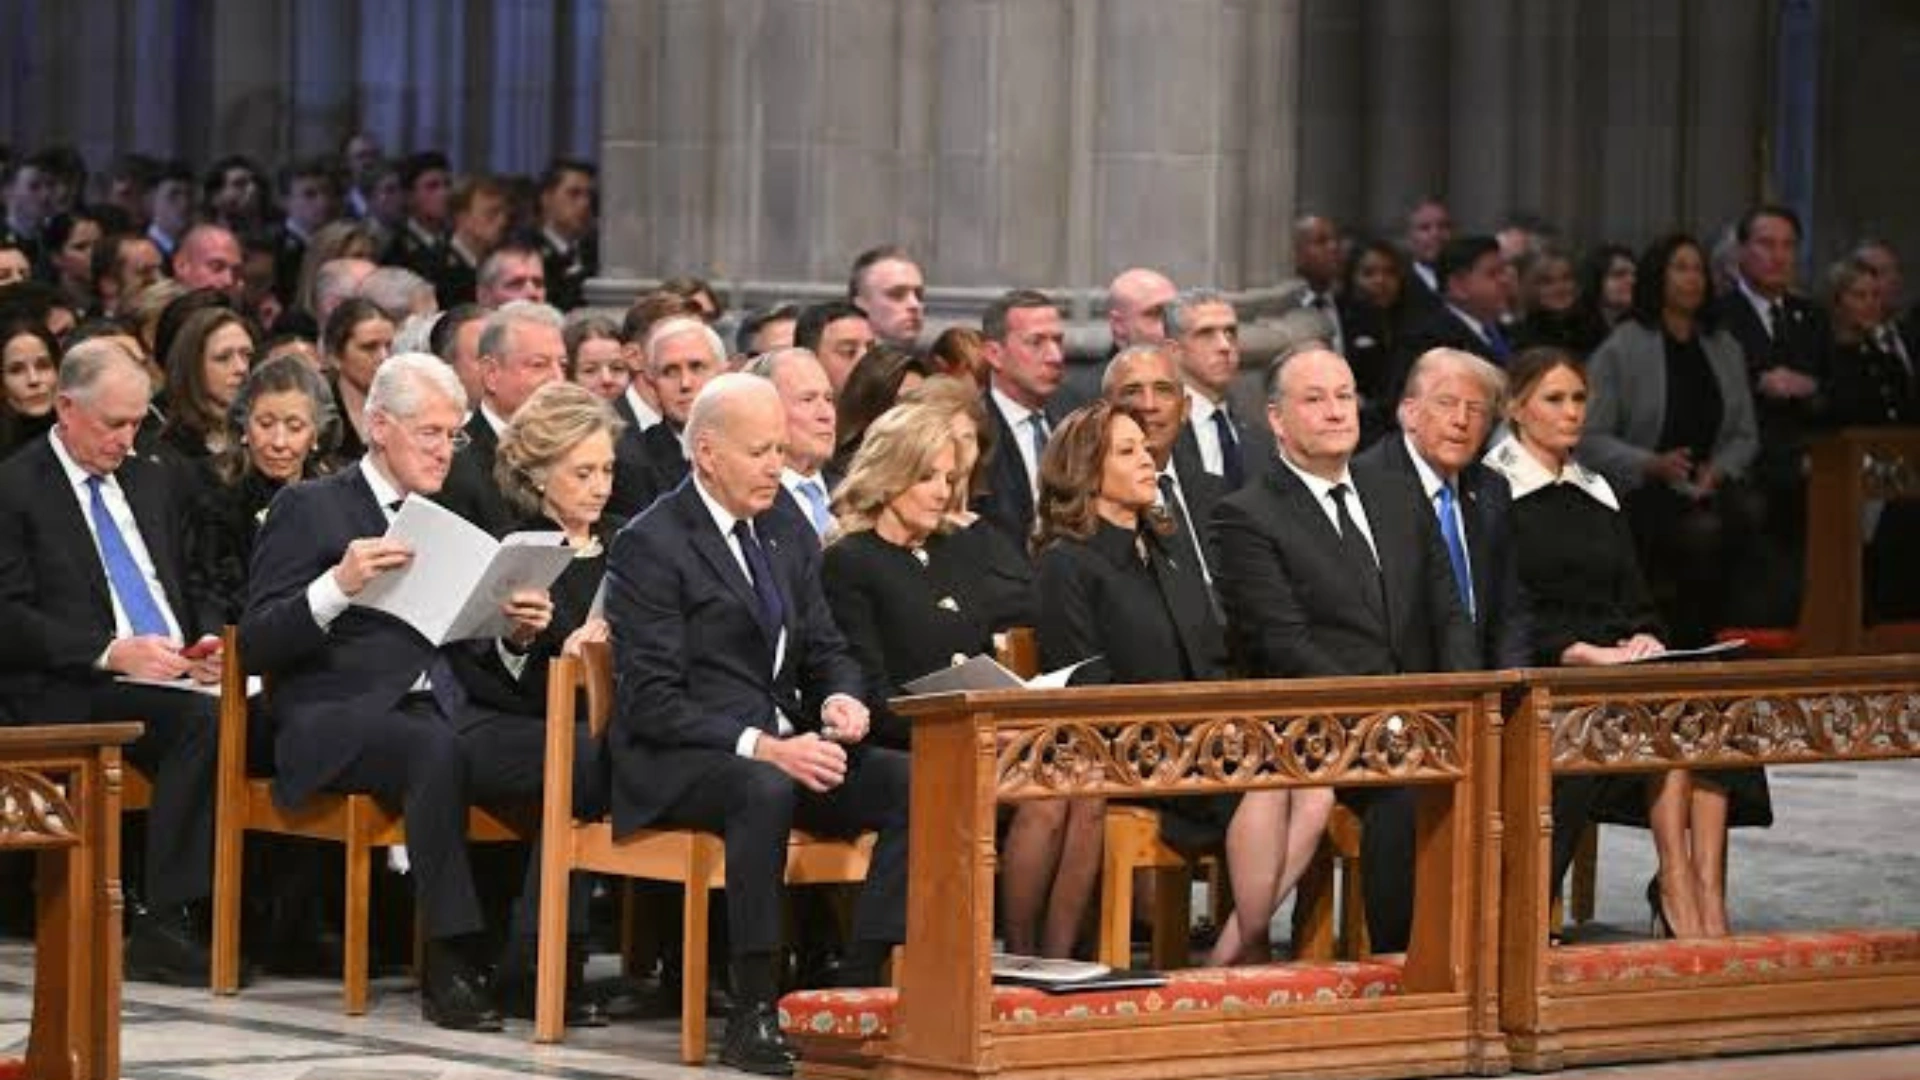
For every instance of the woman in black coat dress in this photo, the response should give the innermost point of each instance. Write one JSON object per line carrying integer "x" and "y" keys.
{"x": 906, "y": 587}
{"x": 1590, "y": 605}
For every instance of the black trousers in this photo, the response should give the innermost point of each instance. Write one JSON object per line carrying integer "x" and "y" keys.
{"x": 177, "y": 751}
{"x": 754, "y": 806}
{"x": 431, "y": 772}
{"x": 1386, "y": 862}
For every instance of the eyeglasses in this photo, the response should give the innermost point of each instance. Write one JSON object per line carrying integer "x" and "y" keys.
{"x": 434, "y": 438}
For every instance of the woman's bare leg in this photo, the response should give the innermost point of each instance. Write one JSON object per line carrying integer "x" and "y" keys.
{"x": 1708, "y": 831}
{"x": 1669, "y": 806}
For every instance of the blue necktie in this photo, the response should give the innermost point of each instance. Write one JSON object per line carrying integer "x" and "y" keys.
{"x": 129, "y": 584}
{"x": 1456, "y": 548}
{"x": 773, "y": 612}
{"x": 1230, "y": 465}
{"x": 817, "y": 506}
{"x": 1497, "y": 344}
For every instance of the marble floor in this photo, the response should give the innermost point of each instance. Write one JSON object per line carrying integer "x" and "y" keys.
{"x": 1842, "y": 851}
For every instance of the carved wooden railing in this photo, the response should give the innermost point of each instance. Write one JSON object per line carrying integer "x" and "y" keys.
{"x": 1694, "y": 716}
{"x": 60, "y": 798}
{"x": 972, "y": 751}
{"x": 1849, "y": 470}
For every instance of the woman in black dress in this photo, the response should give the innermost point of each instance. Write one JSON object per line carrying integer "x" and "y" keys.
{"x": 1373, "y": 312}
{"x": 355, "y": 342}
{"x": 281, "y": 430}
{"x": 29, "y": 374}
{"x": 1591, "y": 606}
{"x": 905, "y": 588}
{"x": 207, "y": 364}
{"x": 1550, "y": 302}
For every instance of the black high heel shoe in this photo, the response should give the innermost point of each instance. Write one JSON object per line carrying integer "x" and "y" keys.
{"x": 1657, "y": 924}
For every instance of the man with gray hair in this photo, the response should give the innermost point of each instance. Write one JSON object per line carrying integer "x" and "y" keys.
{"x": 399, "y": 292}
{"x": 364, "y": 704}
{"x": 1205, "y": 332}
{"x": 521, "y": 350}
{"x": 806, "y": 394}
{"x": 512, "y": 272}
{"x": 93, "y": 588}
{"x": 681, "y": 356}
{"x": 739, "y": 706}
{"x": 336, "y": 281}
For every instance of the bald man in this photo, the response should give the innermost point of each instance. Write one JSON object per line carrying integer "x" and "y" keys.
{"x": 1135, "y": 302}
{"x": 208, "y": 258}
{"x": 739, "y": 704}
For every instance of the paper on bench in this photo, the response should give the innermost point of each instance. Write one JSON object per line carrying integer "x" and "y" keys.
{"x": 986, "y": 673}
{"x": 460, "y": 576}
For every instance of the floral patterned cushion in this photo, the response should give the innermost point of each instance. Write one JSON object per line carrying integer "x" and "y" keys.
{"x": 866, "y": 1014}
{"x": 1749, "y": 953}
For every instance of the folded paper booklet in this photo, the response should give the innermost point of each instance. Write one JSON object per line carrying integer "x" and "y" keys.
{"x": 1705, "y": 652}
{"x": 191, "y": 687}
{"x": 985, "y": 673}
{"x": 460, "y": 576}
{"x": 1069, "y": 976}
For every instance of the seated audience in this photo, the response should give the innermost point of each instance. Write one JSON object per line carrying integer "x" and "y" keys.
{"x": 836, "y": 332}
{"x": 1551, "y": 312}
{"x": 355, "y": 342}
{"x": 876, "y": 382}
{"x": 1606, "y": 287}
{"x": 738, "y": 705}
{"x": 70, "y": 240}
{"x": 682, "y": 355}
{"x": 206, "y": 366}
{"x": 596, "y": 356}
{"x": 336, "y": 240}
{"x": 1672, "y": 429}
{"x": 1373, "y": 313}
{"x": 807, "y": 397}
{"x": 1591, "y": 606}
{"x": 29, "y": 367}
{"x": 958, "y": 352}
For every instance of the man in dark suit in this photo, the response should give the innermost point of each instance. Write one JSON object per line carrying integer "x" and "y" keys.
{"x": 1444, "y": 420}
{"x": 1205, "y": 332}
{"x": 807, "y": 397}
{"x": 422, "y": 241}
{"x": 520, "y": 351}
{"x": 92, "y": 590}
{"x": 1025, "y": 348}
{"x": 308, "y": 194}
{"x": 566, "y": 240}
{"x": 1473, "y": 297}
{"x": 363, "y": 703}
{"x": 1429, "y": 227}
{"x": 681, "y": 356}
{"x": 1317, "y": 248}
{"x": 1143, "y": 380}
{"x": 1327, "y": 568}
{"x": 738, "y": 704}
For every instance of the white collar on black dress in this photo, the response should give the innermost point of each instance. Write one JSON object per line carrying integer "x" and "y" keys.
{"x": 1526, "y": 475}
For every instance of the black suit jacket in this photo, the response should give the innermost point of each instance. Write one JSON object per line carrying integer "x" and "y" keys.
{"x": 693, "y": 665}
{"x": 1503, "y": 622}
{"x": 54, "y": 598}
{"x": 1784, "y": 425}
{"x": 567, "y": 272}
{"x": 1294, "y": 607}
{"x": 1433, "y": 327}
{"x": 470, "y": 489}
{"x": 333, "y": 688}
{"x": 646, "y": 465}
{"x": 1202, "y": 491}
{"x": 1008, "y": 501}
{"x": 1256, "y": 445}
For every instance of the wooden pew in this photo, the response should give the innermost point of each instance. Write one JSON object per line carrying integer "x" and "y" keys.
{"x": 1849, "y": 469}
{"x": 975, "y": 750}
{"x": 1579, "y": 1005}
{"x": 60, "y": 798}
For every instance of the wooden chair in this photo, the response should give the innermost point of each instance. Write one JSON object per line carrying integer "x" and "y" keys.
{"x": 694, "y": 859}
{"x": 359, "y": 823}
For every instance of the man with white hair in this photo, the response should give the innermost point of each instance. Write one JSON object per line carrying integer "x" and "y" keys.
{"x": 93, "y": 588}
{"x": 399, "y": 292}
{"x": 335, "y": 282}
{"x": 739, "y": 705}
{"x": 521, "y": 350}
{"x": 364, "y": 704}
{"x": 682, "y": 355}
{"x": 806, "y": 394}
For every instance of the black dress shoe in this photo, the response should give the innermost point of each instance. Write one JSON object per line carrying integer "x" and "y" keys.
{"x": 163, "y": 946}
{"x": 754, "y": 1042}
{"x": 453, "y": 994}
{"x": 516, "y": 984}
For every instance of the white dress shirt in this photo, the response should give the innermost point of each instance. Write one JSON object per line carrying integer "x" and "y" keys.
{"x": 644, "y": 414}
{"x": 1430, "y": 484}
{"x": 122, "y": 514}
{"x": 1322, "y": 491}
{"x": 1200, "y": 416}
{"x": 793, "y": 482}
{"x": 1172, "y": 472}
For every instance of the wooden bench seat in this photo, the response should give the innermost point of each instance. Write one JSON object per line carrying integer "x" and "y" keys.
{"x": 1741, "y": 956}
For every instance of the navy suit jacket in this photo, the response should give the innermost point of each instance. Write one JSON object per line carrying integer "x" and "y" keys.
{"x": 54, "y": 597}
{"x": 1295, "y": 608}
{"x": 1008, "y": 501}
{"x": 334, "y": 688}
{"x": 1503, "y": 622}
{"x": 693, "y": 664}
{"x": 646, "y": 465}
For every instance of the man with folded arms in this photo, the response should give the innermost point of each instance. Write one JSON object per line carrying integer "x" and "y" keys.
{"x": 364, "y": 704}
{"x": 738, "y": 704}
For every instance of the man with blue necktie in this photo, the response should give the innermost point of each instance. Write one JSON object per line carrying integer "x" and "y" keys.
{"x": 92, "y": 592}
{"x": 807, "y": 396}
{"x": 1473, "y": 291}
{"x": 1204, "y": 330}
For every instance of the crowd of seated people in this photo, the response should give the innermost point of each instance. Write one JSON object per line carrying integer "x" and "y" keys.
{"x": 1492, "y": 451}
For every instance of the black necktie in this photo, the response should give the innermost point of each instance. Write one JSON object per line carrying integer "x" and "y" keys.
{"x": 1231, "y": 468}
{"x": 1184, "y": 543}
{"x": 773, "y": 612}
{"x": 1354, "y": 546}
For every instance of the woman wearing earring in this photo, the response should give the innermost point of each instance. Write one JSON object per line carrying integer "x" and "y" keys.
{"x": 279, "y": 430}
{"x": 1591, "y": 606}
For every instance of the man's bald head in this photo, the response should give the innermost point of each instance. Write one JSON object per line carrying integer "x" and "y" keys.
{"x": 1135, "y": 301}
{"x": 209, "y": 257}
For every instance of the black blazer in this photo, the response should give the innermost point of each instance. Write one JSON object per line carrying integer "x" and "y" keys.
{"x": 334, "y": 688}
{"x": 904, "y": 619}
{"x": 693, "y": 665}
{"x": 646, "y": 465}
{"x": 1503, "y": 626}
{"x": 1435, "y": 327}
{"x": 1202, "y": 491}
{"x": 567, "y": 272}
{"x": 470, "y": 490}
{"x": 1148, "y": 622}
{"x": 54, "y": 598}
{"x": 1008, "y": 501}
{"x": 1294, "y": 608}
{"x": 1784, "y": 425}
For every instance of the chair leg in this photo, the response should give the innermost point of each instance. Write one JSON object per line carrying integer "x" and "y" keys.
{"x": 1116, "y": 907}
{"x": 359, "y": 885}
{"x": 1313, "y": 910}
{"x": 1586, "y": 874}
{"x": 1172, "y": 918}
{"x": 629, "y": 931}
{"x": 693, "y": 961}
{"x": 550, "y": 970}
{"x": 229, "y": 849}
{"x": 1354, "y": 944}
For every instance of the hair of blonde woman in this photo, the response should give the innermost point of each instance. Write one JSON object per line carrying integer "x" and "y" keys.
{"x": 558, "y": 417}
{"x": 956, "y": 396}
{"x": 897, "y": 453}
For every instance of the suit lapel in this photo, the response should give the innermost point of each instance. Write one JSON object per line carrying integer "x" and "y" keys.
{"x": 713, "y": 548}
{"x": 1478, "y": 514}
{"x": 1389, "y": 530}
{"x": 150, "y": 516}
{"x": 70, "y": 518}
